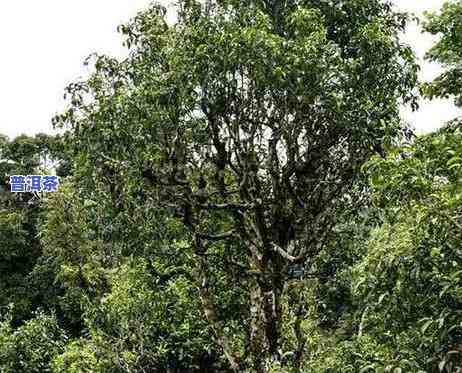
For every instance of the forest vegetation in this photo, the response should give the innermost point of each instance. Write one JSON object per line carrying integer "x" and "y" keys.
{"x": 241, "y": 194}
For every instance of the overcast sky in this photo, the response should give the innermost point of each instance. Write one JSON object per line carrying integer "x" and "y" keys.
{"x": 43, "y": 44}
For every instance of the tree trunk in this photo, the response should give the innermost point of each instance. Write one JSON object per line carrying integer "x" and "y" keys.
{"x": 265, "y": 312}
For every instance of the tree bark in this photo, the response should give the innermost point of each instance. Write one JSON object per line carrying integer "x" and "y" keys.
{"x": 212, "y": 318}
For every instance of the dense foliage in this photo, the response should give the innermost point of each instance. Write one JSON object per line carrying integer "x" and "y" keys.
{"x": 240, "y": 194}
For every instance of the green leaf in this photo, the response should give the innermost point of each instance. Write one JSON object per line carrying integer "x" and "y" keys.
{"x": 367, "y": 368}
{"x": 425, "y": 326}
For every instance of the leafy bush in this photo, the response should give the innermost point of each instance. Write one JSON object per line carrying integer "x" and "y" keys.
{"x": 32, "y": 346}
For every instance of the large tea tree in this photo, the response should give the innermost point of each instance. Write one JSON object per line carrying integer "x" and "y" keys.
{"x": 247, "y": 122}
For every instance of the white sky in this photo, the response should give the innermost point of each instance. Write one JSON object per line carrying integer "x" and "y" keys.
{"x": 43, "y": 45}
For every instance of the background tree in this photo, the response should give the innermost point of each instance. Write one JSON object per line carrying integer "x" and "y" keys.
{"x": 20, "y": 247}
{"x": 408, "y": 285}
{"x": 29, "y": 338}
{"x": 447, "y": 25}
